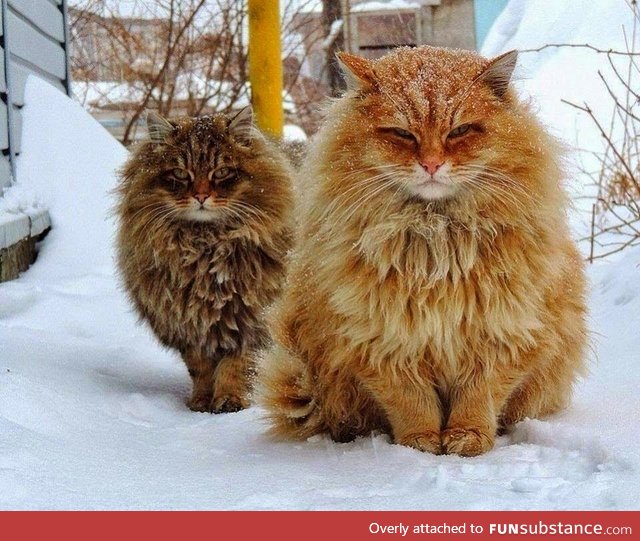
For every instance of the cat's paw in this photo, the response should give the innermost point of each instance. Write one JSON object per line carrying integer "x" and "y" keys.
{"x": 504, "y": 429}
{"x": 427, "y": 442}
{"x": 199, "y": 402}
{"x": 228, "y": 404}
{"x": 466, "y": 441}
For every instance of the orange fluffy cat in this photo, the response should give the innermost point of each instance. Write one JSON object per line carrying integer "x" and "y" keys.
{"x": 436, "y": 293}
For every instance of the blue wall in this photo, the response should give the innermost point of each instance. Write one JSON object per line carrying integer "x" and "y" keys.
{"x": 486, "y": 12}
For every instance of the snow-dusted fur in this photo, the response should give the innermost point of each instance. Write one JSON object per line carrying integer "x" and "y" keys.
{"x": 202, "y": 273}
{"x": 440, "y": 317}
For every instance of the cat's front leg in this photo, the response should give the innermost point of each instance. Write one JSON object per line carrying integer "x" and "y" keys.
{"x": 232, "y": 385}
{"x": 472, "y": 424}
{"x": 201, "y": 370}
{"x": 411, "y": 404}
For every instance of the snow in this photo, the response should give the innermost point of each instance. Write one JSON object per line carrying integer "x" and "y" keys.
{"x": 334, "y": 30}
{"x": 392, "y": 5}
{"x": 567, "y": 73}
{"x": 92, "y": 409}
{"x": 315, "y": 6}
{"x": 149, "y": 10}
{"x": 17, "y": 199}
{"x": 22, "y": 214}
{"x": 301, "y": 6}
{"x": 100, "y": 94}
{"x": 96, "y": 95}
{"x": 294, "y": 133}
{"x": 71, "y": 172}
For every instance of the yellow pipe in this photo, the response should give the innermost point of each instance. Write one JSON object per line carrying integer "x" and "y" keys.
{"x": 265, "y": 65}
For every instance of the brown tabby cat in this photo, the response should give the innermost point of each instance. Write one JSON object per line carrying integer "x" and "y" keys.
{"x": 436, "y": 293}
{"x": 204, "y": 229}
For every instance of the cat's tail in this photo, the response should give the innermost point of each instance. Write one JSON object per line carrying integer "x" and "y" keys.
{"x": 285, "y": 391}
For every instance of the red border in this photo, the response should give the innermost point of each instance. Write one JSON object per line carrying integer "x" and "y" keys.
{"x": 303, "y": 525}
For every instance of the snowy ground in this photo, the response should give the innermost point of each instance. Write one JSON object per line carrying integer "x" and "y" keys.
{"x": 92, "y": 413}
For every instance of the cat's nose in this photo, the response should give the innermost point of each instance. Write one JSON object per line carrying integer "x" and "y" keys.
{"x": 201, "y": 197}
{"x": 432, "y": 165}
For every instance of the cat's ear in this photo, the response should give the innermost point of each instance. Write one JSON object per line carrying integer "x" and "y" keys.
{"x": 158, "y": 127}
{"x": 241, "y": 125}
{"x": 358, "y": 72}
{"x": 499, "y": 72}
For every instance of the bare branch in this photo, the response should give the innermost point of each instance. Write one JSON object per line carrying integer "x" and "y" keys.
{"x": 579, "y": 46}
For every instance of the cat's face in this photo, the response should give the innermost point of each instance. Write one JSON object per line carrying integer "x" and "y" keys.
{"x": 198, "y": 172}
{"x": 433, "y": 119}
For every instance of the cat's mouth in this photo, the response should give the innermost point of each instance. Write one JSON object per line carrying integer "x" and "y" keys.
{"x": 432, "y": 189}
{"x": 201, "y": 214}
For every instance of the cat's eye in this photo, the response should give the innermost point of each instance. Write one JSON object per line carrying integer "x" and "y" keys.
{"x": 221, "y": 173}
{"x": 405, "y": 134}
{"x": 180, "y": 174}
{"x": 460, "y": 130}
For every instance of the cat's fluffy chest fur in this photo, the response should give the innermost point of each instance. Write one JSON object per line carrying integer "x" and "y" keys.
{"x": 432, "y": 287}
{"x": 213, "y": 282}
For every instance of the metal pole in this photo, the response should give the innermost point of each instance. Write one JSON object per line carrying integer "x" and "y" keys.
{"x": 265, "y": 65}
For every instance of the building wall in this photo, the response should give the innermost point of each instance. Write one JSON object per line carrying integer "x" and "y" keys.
{"x": 33, "y": 41}
{"x": 442, "y": 23}
{"x": 449, "y": 24}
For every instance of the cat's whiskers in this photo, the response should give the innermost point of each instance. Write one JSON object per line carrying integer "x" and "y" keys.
{"x": 356, "y": 188}
{"x": 489, "y": 172}
{"x": 151, "y": 215}
{"x": 497, "y": 190}
{"x": 231, "y": 209}
{"x": 145, "y": 208}
{"x": 507, "y": 187}
{"x": 515, "y": 196}
{"x": 492, "y": 191}
{"x": 235, "y": 213}
{"x": 251, "y": 208}
{"x": 354, "y": 194}
{"x": 341, "y": 201}
{"x": 357, "y": 172}
{"x": 489, "y": 190}
{"x": 367, "y": 169}
{"x": 157, "y": 219}
{"x": 362, "y": 184}
{"x": 505, "y": 182}
{"x": 366, "y": 197}
{"x": 248, "y": 211}
{"x": 391, "y": 200}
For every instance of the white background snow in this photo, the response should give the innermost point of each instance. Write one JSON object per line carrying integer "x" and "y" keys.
{"x": 92, "y": 411}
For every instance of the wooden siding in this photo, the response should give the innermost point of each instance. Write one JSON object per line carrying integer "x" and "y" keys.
{"x": 34, "y": 42}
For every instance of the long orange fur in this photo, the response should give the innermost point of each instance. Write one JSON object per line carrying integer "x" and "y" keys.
{"x": 438, "y": 319}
